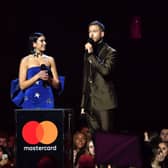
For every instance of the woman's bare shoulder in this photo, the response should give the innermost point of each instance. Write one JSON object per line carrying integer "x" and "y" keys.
{"x": 25, "y": 60}
{"x": 49, "y": 58}
{"x": 27, "y": 57}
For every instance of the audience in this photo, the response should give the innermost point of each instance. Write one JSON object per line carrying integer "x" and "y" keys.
{"x": 155, "y": 147}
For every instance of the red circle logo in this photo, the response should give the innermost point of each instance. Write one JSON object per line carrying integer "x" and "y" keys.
{"x": 45, "y": 132}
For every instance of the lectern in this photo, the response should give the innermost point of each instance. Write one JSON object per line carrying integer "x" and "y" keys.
{"x": 41, "y": 135}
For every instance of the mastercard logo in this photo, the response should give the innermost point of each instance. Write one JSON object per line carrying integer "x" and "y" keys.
{"x": 45, "y": 132}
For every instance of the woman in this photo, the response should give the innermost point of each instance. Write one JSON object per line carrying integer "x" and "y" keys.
{"x": 79, "y": 147}
{"x": 160, "y": 156}
{"x": 87, "y": 159}
{"x": 38, "y": 75}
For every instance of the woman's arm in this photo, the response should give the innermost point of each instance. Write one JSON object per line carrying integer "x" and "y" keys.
{"x": 23, "y": 83}
{"x": 54, "y": 81}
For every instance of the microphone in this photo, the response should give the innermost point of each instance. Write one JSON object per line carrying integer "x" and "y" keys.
{"x": 43, "y": 67}
{"x": 91, "y": 41}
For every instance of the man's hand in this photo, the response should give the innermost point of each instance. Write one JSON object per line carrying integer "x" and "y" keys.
{"x": 89, "y": 48}
{"x": 146, "y": 137}
{"x": 82, "y": 111}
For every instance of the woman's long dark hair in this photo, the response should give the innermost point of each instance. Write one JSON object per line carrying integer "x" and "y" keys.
{"x": 33, "y": 38}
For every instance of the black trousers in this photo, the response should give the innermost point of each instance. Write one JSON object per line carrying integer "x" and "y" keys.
{"x": 105, "y": 118}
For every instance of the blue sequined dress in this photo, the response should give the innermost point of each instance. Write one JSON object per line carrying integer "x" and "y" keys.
{"x": 38, "y": 95}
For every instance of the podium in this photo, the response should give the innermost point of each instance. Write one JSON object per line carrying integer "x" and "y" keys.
{"x": 43, "y": 138}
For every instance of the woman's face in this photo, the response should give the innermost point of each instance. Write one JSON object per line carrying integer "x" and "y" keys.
{"x": 91, "y": 148}
{"x": 164, "y": 148}
{"x": 40, "y": 44}
{"x": 80, "y": 140}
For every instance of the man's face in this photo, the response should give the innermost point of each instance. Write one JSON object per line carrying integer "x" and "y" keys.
{"x": 80, "y": 140}
{"x": 3, "y": 142}
{"x": 164, "y": 135}
{"x": 95, "y": 33}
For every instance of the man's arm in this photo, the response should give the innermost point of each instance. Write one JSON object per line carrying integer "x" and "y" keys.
{"x": 83, "y": 99}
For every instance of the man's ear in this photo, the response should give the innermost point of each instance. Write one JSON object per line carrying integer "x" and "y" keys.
{"x": 102, "y": 34}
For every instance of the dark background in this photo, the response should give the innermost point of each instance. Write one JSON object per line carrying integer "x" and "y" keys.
{"x": 142, "y": 68}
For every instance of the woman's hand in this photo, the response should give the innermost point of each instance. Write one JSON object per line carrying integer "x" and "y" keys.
{"x": 43, "y": 74}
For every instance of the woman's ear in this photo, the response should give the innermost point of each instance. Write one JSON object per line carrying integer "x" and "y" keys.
{"x": 34, "y": 45}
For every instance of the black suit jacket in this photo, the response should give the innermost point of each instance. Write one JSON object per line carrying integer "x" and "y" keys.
{"x": 98, "y": 87}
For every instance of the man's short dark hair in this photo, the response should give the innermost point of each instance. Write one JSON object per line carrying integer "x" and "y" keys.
{"x": 98, "y": 23}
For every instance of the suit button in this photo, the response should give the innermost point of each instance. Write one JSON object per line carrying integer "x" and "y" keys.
{"x": 90, "y": 81}
{"x": 90, "y": 61}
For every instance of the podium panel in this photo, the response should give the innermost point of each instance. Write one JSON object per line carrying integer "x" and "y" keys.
{"x": 41, "y": 139}
{"x": 119, "y": 149}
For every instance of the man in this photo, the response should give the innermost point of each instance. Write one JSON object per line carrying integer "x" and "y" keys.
{"x": 164, "y": 134}
{"x": 98, "y": 95}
